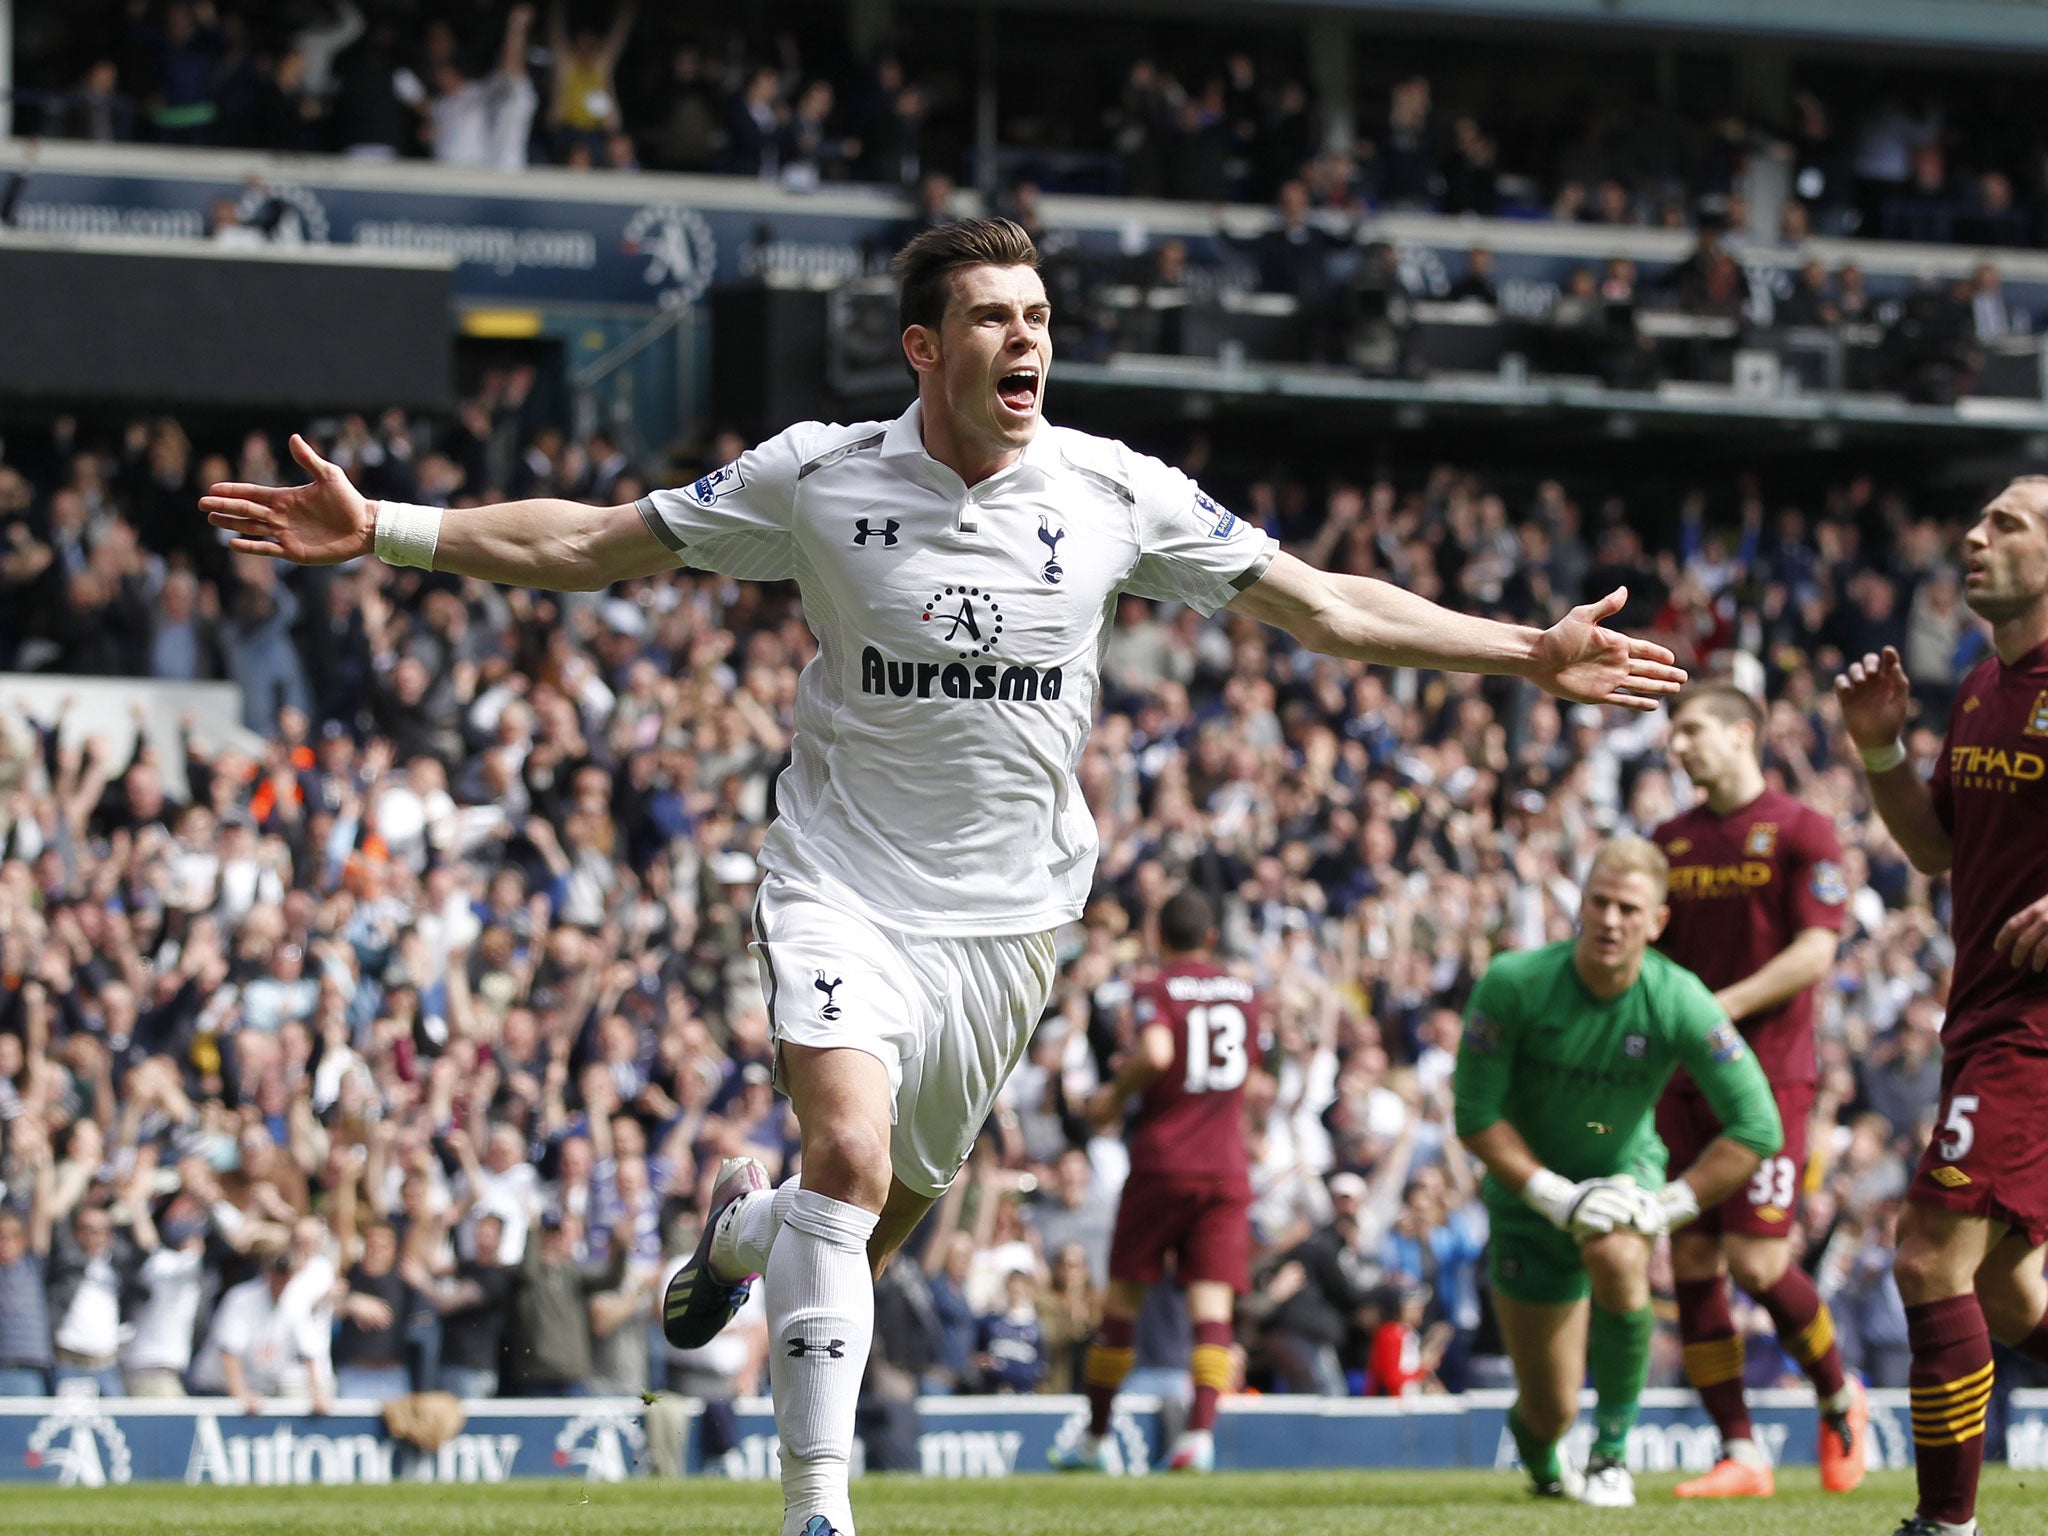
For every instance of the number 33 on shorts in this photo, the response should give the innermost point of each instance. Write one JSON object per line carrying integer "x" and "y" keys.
{"x": 1775, "y": 1186}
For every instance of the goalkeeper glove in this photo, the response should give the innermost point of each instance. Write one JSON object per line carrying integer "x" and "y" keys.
{"x": 1664, "y": 1210}
{"x": 1589, "y": 1208}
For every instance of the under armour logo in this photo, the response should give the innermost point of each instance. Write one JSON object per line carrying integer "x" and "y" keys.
{"x": 800, "y": 1349}
{"x": 886, "y": 533}
{"x": 1050, "y": 538}
{"x": 831, "y": 1009}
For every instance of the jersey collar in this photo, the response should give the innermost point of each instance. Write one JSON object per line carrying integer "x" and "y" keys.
{"x": 904, "y": 439}
{"x": 2035, "y": 660}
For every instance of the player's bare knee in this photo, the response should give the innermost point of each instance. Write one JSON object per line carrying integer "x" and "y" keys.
{"x": 1618, "y": 1267}
{"x": 1696, "y": 1256}
{"x": 1757, "y": 1269}
{"x": 848, "y": 1161}
{"x": 2011, "y": 1310}
{"x": 1924, "y": 1271}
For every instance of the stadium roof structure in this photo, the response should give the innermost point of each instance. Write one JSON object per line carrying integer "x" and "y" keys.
{"x": 2003, "y": 26}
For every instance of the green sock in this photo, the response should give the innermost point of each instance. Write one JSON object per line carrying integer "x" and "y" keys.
{"x": 1618, "y": 1348}
{"x": 1539, "y": 1456}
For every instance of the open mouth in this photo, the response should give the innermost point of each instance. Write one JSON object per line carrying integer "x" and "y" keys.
{"x": 1018, "y": 391}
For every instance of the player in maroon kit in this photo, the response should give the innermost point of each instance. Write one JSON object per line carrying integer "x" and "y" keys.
{"x": 1970, "y": 1239}
{"x": 1189, "y": 1195}
{"x": 1757, "y": 895}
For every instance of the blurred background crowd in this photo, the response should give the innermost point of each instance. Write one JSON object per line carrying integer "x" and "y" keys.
{"x": 392, "y": 1038}
{"x": 1188, "y": 109}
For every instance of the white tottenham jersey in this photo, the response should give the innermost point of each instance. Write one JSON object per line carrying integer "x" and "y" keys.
{"x": 960, "y": 634}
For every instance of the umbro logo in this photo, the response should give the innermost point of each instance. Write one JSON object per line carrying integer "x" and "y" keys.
{"x": 830, "y": 1010}
{"x": 801, "y": 1348}
{"x": 886, "y": 533}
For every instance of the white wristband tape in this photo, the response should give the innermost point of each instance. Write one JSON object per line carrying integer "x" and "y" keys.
{"x": 1883, "y": 759}
{"x": 406, "y": 535}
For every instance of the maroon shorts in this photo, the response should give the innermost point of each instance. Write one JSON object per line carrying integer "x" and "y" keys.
{"x": 1202, "y": 1225}
{"x": 1763, "y": 1207}
{"x": 1988, "y": 1156}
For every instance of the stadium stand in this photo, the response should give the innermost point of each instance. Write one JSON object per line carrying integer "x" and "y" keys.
{"x": 416, "y": 979}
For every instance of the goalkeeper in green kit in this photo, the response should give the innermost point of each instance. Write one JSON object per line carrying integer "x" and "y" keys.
{"x": 1565, "y": 1051}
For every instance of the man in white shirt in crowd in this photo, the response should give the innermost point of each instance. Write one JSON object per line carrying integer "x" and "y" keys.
{"x": 262, "y": 1345}
{"x": 504, "y": 1184}
{"x": 91, "y": 1268}
{"x": 959, "y": 566}
{"x": 485, "y": 122}
{"x": 155, "y": 1359}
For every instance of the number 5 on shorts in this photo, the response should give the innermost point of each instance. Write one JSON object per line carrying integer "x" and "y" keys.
{"x": 1962, "y": 1135}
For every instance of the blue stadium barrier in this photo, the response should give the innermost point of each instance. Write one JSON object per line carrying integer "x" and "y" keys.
{"x": 91, "y": 1442}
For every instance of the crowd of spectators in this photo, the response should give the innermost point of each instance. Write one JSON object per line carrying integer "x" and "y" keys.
{"x": 394, "y": 1042}
{"x": 589, "y": 85}
{"x": 605, "y": 84}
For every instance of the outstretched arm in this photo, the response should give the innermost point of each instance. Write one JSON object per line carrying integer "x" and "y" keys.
{"x": 562, "y": 546}
{"x": 1367, "y": 620}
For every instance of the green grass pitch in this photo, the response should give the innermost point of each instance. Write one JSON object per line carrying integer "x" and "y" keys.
{"x": 1229, "y": 1504}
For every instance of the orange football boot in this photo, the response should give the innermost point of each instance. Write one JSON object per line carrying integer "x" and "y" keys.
{"x": 1730, "y": 1479}
{"x": 1843, "y": 1443}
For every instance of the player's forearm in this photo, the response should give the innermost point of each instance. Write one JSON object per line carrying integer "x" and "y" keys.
{"x": 1722, "y": 1169}
{"x": 1783, "y": 977}
{"x": 1906, "y": 805}
{"x": 1506, "y": 1156}
{"x": 562, "y": 546}
{"x": 1378, "y": 622}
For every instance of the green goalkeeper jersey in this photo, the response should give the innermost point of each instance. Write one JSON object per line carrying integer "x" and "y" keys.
{"x": 1579, "y": 1076}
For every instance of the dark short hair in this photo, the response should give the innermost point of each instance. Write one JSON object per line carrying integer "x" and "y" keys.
{"x": 924, "y": 266}
{"x": 1726, "y": 703}
{"x": 1186, "y": 921}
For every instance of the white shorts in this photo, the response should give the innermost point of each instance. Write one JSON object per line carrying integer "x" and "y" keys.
{"x": 949, "y": 1018}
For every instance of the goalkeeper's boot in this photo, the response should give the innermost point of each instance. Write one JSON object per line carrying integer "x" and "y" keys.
{"x": 1608, "y": 1485}
{"x": 820, "y": 1526}
{"x": 1732, "y": 1477}
{"x": 1193, "y": 1451}
{"x": 699, "y": 1300}
{"x": 1845, "y": 1442}
{"x": 1570, "y": 1483}
{"x": 1090, "y": 1453}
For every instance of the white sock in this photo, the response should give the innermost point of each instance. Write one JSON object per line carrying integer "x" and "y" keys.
{"x": 1748, "y": 1452}
{"x": 821, "y": 1320}
{"x": 744, "y": 1239}
{"x": 1840, "y": 1401}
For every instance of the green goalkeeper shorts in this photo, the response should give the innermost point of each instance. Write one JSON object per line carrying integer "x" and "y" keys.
{"x": 1529, "y": 1260}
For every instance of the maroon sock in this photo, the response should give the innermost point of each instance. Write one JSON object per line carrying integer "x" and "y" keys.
{"x": 2035, "y": 1345}
{"x": 1806, "y": 1328}
{"x": 1951, "y": 1386}
{"x": 1212, "y": 1369}
{"x": 1109, "y": 1361}
{"x": 1713, "y": 1355}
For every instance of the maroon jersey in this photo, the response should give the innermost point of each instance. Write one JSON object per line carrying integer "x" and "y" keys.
{"x": 1991, "y": 791}
{"x": 1743, "y": 886}
{"x": 1190, "y": 1121}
